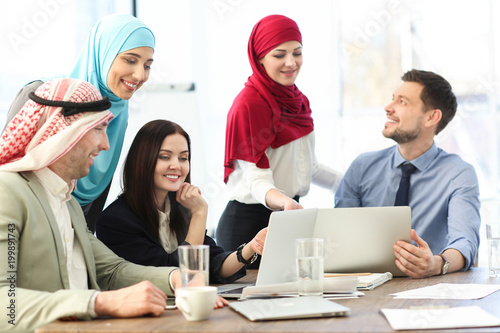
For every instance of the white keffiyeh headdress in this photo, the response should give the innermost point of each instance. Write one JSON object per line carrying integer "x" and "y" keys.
{"x": 49, "y": 124}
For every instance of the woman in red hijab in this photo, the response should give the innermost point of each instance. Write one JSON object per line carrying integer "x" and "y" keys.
{"x": 269, "y": 157}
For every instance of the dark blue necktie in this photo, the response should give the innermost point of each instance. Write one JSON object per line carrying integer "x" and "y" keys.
{"x": 404, "y": 185}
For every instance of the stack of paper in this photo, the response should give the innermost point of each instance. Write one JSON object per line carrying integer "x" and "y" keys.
{"x": 366, "y": 281}
{"x": 343, "y": 286}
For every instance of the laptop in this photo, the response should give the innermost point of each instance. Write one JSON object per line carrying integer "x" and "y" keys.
{"x": 357, "y": 240}
{"x": 361, "y": 239}
{"x": 279, "y": 236}
{"x": 288, "y": 308}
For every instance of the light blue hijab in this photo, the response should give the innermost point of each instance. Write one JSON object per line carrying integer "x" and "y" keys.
{"x": 110, "y": 36}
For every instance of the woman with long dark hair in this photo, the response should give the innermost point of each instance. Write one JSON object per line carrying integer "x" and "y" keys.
{"x": 159, "y": 209}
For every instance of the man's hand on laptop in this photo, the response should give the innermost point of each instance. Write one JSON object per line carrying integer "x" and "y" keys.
{"x": 416, "y": 261}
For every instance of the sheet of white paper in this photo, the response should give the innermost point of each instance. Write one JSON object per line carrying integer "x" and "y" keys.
{"x": 450, "y": 291}
{"x": 458, "y": 317}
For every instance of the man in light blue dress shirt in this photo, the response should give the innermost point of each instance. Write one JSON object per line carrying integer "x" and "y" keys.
{"x": 444, "y": 190}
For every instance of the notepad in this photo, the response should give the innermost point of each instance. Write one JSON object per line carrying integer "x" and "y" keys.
{"x": 369, "y": 282}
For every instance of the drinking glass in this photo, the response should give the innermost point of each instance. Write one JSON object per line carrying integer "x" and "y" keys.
{"x": 309, "y": 254}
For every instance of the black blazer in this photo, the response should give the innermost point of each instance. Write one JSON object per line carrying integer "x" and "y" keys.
{"x": 124, "y": 233}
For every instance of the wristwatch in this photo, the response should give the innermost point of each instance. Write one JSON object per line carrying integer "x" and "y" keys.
{"x": 239, "y": 255}
{"x": 446, "y": 265}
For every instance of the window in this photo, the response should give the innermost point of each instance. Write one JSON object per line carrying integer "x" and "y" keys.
{"x": 387, "y": 38}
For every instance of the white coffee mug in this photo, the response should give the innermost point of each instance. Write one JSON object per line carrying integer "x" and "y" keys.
{"x": 196, "y": 303}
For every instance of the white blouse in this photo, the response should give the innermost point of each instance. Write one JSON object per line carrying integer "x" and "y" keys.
{"x": 168, "y": 238}
{"x": 292, "y": 169}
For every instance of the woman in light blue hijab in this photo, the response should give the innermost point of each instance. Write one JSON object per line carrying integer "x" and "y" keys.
{"x": 116, "y": 59}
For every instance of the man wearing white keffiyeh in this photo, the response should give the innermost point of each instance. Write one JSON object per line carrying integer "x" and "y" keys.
{"x": 55, "y": 266}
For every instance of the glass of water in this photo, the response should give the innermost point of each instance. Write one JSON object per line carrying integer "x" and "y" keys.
{"x": 193, "y": 263}
{"x": 309, "y": 254}
{"x": 493, "y": 238}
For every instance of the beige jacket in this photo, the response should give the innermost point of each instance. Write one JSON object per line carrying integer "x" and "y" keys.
{"x": 34, "y": 285}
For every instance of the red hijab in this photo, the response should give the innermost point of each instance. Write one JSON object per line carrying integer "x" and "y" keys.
{"x": 265, "y": 113}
